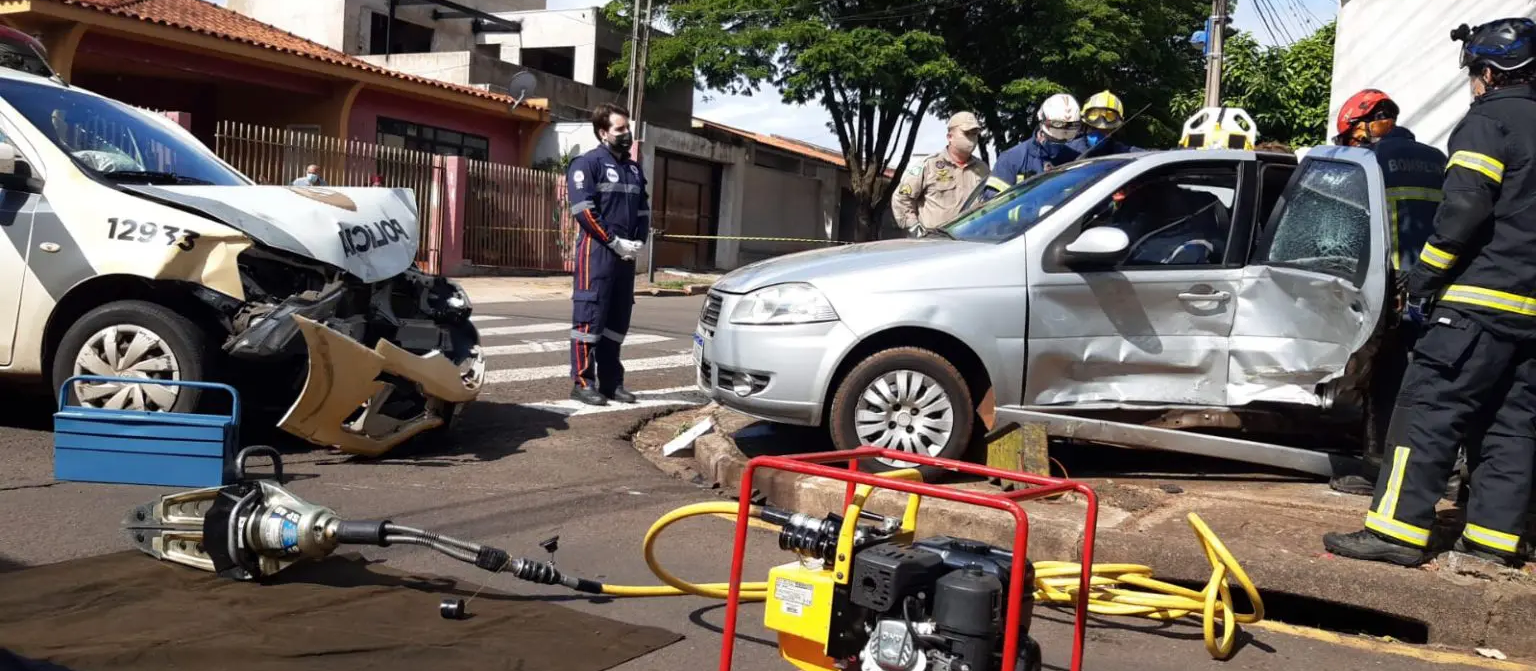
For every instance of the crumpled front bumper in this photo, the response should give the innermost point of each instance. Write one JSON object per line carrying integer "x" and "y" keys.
{"x": 343, "y": 377}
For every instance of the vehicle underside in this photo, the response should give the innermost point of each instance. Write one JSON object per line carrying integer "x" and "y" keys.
{"x": 357, "y": 366}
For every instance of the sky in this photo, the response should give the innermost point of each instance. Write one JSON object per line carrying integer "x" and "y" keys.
{"x": 764, "y": 113}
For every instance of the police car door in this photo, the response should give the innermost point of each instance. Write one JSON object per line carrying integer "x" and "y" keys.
{"x": 18, "y": 199}
{"x": 1315, "y": 285}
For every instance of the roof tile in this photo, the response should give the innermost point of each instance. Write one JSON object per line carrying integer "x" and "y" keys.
{"x": 207, "y": 18}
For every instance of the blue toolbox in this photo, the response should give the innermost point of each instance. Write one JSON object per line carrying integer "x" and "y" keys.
{"x": 145, "y": 448}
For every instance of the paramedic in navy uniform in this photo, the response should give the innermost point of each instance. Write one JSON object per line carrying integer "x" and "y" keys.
{"x": 613, "y": 216}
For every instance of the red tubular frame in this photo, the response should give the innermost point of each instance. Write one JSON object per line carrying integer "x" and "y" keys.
{"x": 1040, "y": 487}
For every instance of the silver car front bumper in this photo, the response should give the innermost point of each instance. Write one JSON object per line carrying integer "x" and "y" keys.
{"x": 786, "y": 368}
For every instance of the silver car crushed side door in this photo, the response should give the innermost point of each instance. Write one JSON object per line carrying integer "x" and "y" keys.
{"x": 1135, "y": 336}
{"x": 1314, "y": 291}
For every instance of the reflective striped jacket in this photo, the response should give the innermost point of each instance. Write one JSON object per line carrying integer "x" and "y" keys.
{"x": 1414, "y": 173}
{"x": 1481, "y": 258}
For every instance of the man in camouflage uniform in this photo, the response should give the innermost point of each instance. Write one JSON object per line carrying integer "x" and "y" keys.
{"x": 932, "y": 192}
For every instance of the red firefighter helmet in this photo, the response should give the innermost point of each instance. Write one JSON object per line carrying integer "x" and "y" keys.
{"x": 1369, "y": 105}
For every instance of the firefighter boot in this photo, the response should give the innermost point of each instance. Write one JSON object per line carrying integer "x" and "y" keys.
{"x": 1462, "y": 546}
{"x": 622, "y": 395}
{"x": 1365, "y": 544}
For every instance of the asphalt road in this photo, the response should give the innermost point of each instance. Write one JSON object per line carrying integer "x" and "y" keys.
{"x": 525, "y": 464}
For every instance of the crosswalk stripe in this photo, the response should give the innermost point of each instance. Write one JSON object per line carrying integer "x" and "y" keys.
{"x": 486, "y": 318}
{"x": 549, "y": 372}
{"x": 654, "y": 398}
{"x": 542, "y": 327}
{"x": 539, "y": 346}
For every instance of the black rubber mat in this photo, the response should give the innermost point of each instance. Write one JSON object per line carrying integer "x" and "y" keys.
{"x": 128, "y": 611}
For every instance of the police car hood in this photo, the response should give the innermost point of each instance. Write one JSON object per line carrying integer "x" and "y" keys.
{"x": 368, "y": 232}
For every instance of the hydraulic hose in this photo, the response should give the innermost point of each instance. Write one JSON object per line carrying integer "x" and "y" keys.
{"x": 1125, "y": 590}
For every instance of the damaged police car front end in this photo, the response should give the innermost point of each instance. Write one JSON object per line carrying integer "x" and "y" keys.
{"x": 335, "y": 312}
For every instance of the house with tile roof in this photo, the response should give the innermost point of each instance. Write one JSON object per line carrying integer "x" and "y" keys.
{"x": 217, "y": 65}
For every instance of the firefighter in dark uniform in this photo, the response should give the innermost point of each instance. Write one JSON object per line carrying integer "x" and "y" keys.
{"x": 1473, "y": 371}
{"x": 1413, "y": 172}
{"x": 613, "y": 214}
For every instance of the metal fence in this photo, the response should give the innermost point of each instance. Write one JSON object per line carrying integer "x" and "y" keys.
{"x": 517, "y": 218}
{"x": 279, "y": 156}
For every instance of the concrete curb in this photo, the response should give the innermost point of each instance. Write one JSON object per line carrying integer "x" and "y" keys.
{"x": 689, "y": 290}
{"x": 1147, "y": 526}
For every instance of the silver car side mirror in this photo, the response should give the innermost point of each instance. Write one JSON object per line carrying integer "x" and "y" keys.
{"x": 1098, "y": 245}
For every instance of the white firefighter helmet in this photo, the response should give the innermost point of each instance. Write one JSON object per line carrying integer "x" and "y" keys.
{"x": 1061, "y": 118}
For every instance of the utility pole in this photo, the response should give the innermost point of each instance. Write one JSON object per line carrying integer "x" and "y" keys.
{"x": 634, "y": 53}
{"x": 1215, "y": 36}
{"x": 644, "y": 51}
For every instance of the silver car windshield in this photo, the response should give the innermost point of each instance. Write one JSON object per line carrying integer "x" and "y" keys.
{"x": 110, "y": 139}
{"x": 1012, "y": 212}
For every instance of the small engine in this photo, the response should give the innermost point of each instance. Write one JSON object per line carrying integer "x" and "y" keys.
{"x": 935, "y": 604}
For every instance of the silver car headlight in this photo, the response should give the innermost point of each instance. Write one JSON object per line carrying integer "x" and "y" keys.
{"x": 796, "y": 303}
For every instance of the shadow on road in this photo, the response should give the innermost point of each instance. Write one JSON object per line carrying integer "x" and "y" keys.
{"x": 10, "y": 661}
{"x": 697, "y": 618}
{"x": 484, "y": 431}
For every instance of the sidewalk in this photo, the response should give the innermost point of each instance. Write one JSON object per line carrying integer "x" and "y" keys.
{"x": 483, "y": 289}
{"x": 1272, "y": 526}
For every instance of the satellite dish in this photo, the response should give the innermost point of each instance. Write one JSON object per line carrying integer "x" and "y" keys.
{"x": 521, "y": 85}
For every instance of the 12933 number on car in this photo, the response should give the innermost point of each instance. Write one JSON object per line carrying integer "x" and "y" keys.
{"x": 146, "y": 232}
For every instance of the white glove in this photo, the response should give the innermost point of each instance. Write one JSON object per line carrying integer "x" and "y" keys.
{"x": 626, "y": 249}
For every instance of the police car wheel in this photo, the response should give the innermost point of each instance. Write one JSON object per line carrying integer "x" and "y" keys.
{"x": 132, "y": 339}
{"x": 908, "y": 399}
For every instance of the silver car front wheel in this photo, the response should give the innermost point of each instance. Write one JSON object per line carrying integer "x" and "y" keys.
{"x": 905, "y": 410}
{"x": 908, "y": 399}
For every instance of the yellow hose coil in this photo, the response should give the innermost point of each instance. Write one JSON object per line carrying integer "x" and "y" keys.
{"x": 1126, "y": 590}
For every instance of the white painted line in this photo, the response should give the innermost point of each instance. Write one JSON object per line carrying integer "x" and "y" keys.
{"x": 486, "y": 318}
{"x": 550, "y": 372}
{"x": 538, "y": 346}
{"x": 656, "y": 398}
{"x": 543, "y": 327}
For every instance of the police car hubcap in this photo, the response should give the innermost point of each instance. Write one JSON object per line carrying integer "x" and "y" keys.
{"x": 905, "y": 410}
{"x": 130, "y": 351}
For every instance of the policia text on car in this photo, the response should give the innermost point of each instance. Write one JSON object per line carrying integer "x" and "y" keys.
{"x": 1474, "y": 368}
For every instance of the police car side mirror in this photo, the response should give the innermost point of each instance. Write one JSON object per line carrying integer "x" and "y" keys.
{"x": 1097, "y": 247}
{"x": 15, "y": 173}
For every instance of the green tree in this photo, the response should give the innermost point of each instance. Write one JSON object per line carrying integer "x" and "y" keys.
{"x": 1285, "y": 89}
{"x": 876, "y": 66}
{"x": 1021, "y": 52}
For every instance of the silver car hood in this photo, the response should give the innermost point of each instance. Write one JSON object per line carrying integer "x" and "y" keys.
{"x": 369, "y": 232}
{"x": 826, "y": 265}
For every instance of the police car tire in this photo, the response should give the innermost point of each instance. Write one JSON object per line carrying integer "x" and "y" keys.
{"x": 841, "y": 423}
{"x": 186, "y": 341}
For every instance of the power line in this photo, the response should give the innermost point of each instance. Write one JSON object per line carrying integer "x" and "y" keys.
{"x": 1267, "y": 10}
{"x": 1308, "y": 24}
{"x": 1257, "y": 7}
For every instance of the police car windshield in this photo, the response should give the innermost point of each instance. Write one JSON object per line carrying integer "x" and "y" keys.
{"x": 109, "y": 139}
{"x": 1012, "y": 212}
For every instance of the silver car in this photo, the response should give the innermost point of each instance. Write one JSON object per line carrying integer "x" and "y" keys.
{"x": 1231, "y": 285}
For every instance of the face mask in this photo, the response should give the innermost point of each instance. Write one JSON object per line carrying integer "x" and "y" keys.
{"x": 963, "y": 145}
{"x": 621, "y": 142}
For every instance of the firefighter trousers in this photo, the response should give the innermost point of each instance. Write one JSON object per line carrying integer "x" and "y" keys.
{"x": 1464, "y": 383}
{"x": 599, "y": 322}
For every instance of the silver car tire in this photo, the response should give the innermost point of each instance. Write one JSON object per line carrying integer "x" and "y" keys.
{"x": 164, "y": 344}
{"x": 919, "y": 398}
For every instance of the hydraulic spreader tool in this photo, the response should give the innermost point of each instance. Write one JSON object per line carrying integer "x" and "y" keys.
{"x": 864, "y": 591}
